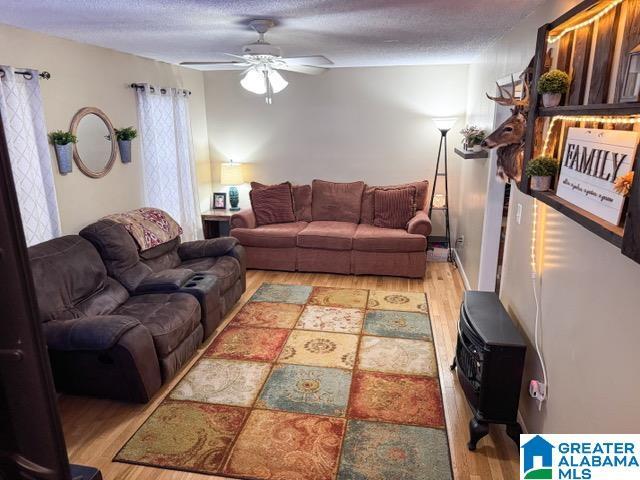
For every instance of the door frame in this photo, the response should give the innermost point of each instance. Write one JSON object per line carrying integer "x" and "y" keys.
{"x": 494, "y": 203}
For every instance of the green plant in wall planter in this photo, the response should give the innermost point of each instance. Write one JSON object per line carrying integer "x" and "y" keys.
{"x": 541, "y": 170}
{"x": 552, "y": 85}
{"x": 473, "y": 137}
{"x": 63, "y": 143}
{"x": 124, "y": 137}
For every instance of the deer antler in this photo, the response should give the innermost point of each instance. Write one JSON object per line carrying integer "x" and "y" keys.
{"x": 508, "y": 98}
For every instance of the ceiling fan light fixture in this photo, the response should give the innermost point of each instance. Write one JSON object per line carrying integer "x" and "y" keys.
{"x": 278, "y": 83}
{"x": 253, "y": 81}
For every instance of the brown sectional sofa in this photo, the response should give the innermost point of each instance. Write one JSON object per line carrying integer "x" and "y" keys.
{"x": 171, "y": 266}
{"x": 118, "y": 322}
{"x": 325, "y": 237}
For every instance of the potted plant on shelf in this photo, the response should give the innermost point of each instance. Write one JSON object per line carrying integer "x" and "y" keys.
{"x": 63, "y": 143}
{"x": 541, "y": 170}
{"x": 552, "y": 85}
{"x": 473, "y": 137}
{"x": 124, "y": 137}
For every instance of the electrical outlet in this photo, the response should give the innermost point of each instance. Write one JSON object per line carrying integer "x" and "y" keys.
{"x": 519, "y": 213}
{"x": 538, "y": 390}
{"x": 460, "y": 241}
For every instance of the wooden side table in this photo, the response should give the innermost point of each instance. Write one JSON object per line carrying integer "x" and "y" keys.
{"x": 216, "y": 223}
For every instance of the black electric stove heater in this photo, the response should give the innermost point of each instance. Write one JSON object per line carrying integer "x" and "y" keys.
{"x": 489, "y": 360}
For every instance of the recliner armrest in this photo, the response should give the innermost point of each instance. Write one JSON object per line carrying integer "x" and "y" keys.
{"x": 87, "y": 333}
{"x": 243, "y": 219}
{"x": 167, "y": 280}
{"x": 213, "y": 247}
{"x": 420, "y": 224}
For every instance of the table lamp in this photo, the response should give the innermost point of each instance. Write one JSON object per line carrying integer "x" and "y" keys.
{"x": 231, "y": 174}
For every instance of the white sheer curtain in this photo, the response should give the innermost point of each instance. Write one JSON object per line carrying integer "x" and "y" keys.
{"x": 167, "y": 156}
{"x": 24, "y": 127}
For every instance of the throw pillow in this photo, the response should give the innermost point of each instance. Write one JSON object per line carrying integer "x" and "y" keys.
{"x": 272, "y": 203}
{"x": 338, "y": 202}
{"x": 366, "y": 215}
{"x": 394, "y": 207}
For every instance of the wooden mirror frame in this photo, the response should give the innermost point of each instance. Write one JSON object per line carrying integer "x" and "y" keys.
{"x": 83, "y": 112}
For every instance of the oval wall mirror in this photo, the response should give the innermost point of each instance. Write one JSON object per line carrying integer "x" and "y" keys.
{"x": 95, "y": 151}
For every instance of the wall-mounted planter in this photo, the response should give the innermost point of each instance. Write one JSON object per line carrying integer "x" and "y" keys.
{"x": 64, "y": 155}
{"x": 551, "y": 99}
{"x": 540, "y": 184}
{"x": 125, "y": 150}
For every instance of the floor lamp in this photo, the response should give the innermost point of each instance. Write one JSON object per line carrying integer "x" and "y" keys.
{"x": 444, "y": 124}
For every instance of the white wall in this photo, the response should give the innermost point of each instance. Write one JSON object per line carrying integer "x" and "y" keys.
{"x": 82, "y": 76}
{"x": 369, "y": 124}
{"x": 589, "y": 289}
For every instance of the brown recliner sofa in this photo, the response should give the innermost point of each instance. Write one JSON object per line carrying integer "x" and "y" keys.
{"x": 213, "y": 271}
{"x": 334, "y": 232}
{"x": 102, "y": 341}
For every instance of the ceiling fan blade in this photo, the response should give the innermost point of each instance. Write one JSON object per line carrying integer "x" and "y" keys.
{"x": 306, "y": 69}
{"x": 235, "y": 56}
{"x": 217, "y": 65}
{"x": 316, "y": 60}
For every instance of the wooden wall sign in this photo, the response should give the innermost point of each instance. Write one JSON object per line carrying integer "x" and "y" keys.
{"x": 592, "y": 160}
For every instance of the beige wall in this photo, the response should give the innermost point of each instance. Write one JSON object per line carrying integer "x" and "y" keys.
{"x": 589, "y": 306}
{"x": 347, "y": 124}
{"x": 84, "y": 75}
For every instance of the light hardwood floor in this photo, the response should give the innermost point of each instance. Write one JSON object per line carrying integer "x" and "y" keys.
{"x": 96, "y": 429}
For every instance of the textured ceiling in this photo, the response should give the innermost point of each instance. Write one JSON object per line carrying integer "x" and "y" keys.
{"x": 349, "y": 32}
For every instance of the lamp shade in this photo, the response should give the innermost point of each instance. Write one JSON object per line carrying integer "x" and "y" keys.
{"x": 278, "y": 83}
{"x": 231, "y": 174}
{"x": 254, "y": 81}
{"x": 445, "y": 123}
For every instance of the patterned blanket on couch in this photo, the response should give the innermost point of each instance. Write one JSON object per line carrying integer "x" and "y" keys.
{"x": 149, "y": 227}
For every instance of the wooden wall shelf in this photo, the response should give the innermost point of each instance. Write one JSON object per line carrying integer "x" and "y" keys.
{"x": 469, "y": 155}
{"x": 608, "y": 231}
{"x": 596, "y": 55}
{"x": 600, "y": 109}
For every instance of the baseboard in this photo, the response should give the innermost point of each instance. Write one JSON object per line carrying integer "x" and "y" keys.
{"x": 463, "y": 274}
{"x": 521, "y": 422}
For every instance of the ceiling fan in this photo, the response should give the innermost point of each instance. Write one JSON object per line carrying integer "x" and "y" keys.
{"x": 261, "y": 62}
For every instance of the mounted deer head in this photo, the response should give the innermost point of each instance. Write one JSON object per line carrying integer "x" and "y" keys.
{"x": 508, "y": 138}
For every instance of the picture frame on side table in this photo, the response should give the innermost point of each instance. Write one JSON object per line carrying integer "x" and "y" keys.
{"x": 219, "y": 200}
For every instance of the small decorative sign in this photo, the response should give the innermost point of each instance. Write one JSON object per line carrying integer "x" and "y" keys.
{"x": 592, "y": 161}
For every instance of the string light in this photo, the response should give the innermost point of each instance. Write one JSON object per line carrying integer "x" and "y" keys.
{"x": 591, "y": 20}
{"x": 588, "y": 119}
{"x": 534, "y": 237}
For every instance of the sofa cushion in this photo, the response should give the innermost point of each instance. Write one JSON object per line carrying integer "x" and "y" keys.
{"x": 395, "y": 207}
{"x": 226, "y": 269}
{"x": 327, "y": 235}
{"x": 119, "y": 252}
{"x": 302, "y": 202}
{"x": 211, "y": 247}
{"x": 162, "y": 249}
{"x": 66, "y": 271}
{"x": 367, "y": 211}
{"x": 170, "y": 317}
{"x": 339, "y": 202}
{"x": 276, "y": 235}
{"x": 272, "y": 203}
{"x": 369, "y": 238}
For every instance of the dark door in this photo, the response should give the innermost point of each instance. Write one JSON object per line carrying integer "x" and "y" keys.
{"x": 31, "y": 441}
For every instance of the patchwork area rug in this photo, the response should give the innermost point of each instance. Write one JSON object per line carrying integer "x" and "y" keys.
{"x": 308, "y": 383}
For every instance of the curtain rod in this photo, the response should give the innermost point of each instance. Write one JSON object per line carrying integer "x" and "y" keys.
{"x": 162, "y": 90}
{"x": 43, "y": 75}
